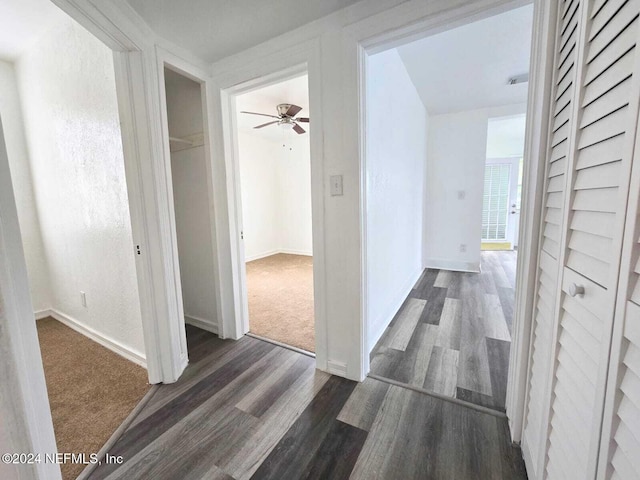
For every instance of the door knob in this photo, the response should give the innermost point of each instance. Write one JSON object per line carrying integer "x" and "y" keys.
{"x": 576, "y": 289}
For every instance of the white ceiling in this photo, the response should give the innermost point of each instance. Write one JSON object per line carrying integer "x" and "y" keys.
{"x": 22, "y": 22}
{"x": 468, "y": 67}
{"x": 214, "y": 29}
{"x": 505, "y": 136}
{"x": 264, "y": 100}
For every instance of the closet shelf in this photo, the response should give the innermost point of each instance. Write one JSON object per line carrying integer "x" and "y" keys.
{"x": 185, "y": 142}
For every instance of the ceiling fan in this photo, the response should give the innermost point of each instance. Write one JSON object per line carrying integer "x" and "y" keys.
{"x": 286, "y": 116}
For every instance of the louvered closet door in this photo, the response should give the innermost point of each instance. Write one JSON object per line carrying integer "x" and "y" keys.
{"x": 620, "y": 445}
{"x": 535, "y": 430}
{"x": 599, "y": 167}
{"x": 620, "y": 456}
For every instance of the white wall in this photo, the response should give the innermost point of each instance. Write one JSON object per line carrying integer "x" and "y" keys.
{"x": 24, "y": 407}
{"x": 191, "y": 202}
{"x": 67, "y": 86}
{"x": 505, "y": 136}
{"x": 11, "y": 113}
{"x": 276, "y": 194}
{"x": 396, "y": 156}
{"x": 455, "y": 167}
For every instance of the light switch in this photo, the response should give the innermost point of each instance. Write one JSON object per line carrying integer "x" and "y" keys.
{"x": 461, "y": 194}
{"x": 336, "y": 185}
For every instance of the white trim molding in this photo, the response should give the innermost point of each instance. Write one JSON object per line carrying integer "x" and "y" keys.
{"x": 203, "y": 323}
{"x": 115, "y": 346}
{"x": 40, "y": 314}
{"x": 540, "y": 88}
{"x": 452, "y": 265}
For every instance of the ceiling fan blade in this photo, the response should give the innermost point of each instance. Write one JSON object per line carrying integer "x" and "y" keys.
{"x": 298, "y": 129}
{"x": 266, "y": 124}
{"x": 302, "y": 119}
{"x": 293, "y": 111}
{"x": 262, "y": 114}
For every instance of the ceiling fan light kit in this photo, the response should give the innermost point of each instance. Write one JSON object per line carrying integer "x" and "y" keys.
{"x": 286, "y": 118}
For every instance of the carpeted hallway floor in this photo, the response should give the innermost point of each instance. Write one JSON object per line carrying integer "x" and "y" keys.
{"x": 91, "y": 389}
{"x": 280, "y": 289}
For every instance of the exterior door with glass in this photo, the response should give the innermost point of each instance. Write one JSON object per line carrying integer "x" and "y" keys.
{"x": 501, "y": 202}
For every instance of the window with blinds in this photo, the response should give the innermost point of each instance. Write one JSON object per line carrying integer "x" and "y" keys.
{"x": 495, "y": 204}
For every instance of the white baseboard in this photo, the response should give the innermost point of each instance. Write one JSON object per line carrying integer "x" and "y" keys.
{"x": 306, "y": 253}
{"x": 202, "y": 323}
{"x": 107, "y": 342}
{"x": 40, "y": 314}
{"x": 261, "y": 255}
{"x": 275, "y": 252}
{"x": 337, "y": 368}
{"x": 386, "y": 317}
{"x": 452, "y": 265}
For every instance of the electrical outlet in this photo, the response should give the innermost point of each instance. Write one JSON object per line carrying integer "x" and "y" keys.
{"x": 461, "y": 194}
{"x": 83, "y": 299}
{"x": 463, "y": 247}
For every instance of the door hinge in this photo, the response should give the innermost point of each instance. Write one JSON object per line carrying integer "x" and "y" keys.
{"x": 138, "y": 249}
{"x": 241, "y": 235}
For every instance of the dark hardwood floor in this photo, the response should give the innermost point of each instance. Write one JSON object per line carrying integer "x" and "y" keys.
{"x": 251, "y": 409}
{"x": 453, "y": 333}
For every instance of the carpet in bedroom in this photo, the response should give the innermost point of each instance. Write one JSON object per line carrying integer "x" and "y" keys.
{"x": 91, "y": 389}
{"x": 280, "y": 290}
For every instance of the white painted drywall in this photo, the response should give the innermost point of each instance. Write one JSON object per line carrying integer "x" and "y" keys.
{"x": 455, "y": 167}
{"x": 505, "y": 136}
{"x": 396, "y": 157}
{"x": 67, "y": 87}
{"x": 294, "y": 171}
{"x": 258, "y": 179}
{"x": 275, "y": 179}
{"x": 191, "y": 201}
{"x": 24, "y": 407}
{"x": 11, "y": 113}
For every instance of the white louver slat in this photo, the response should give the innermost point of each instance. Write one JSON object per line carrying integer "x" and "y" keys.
{"x": 551, "y": 228}
{"x": 600, "y": 149}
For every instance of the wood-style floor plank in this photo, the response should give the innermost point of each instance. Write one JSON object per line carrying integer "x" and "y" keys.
{"x": 362, "y": 407}
{"x": 498, "y": 352}
{"x": 275, "y": 423}
{"x": 402, "y": 331}
{"x": 298, "y": 447}
{"x": 495, "y": 326}
{"x": 418, "y": 436}
{"x": 462, "y": 310}
{"x": 442, "y": 374}
{"x": 272, "y": 415}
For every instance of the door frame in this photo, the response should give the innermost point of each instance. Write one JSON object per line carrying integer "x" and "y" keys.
{"x": 539, "y": 93}
{"x": 166, "y": 59}
{"x": 512, "y": 225}
{"x": 234, "y": 152}
{"x": 302, "y": 60}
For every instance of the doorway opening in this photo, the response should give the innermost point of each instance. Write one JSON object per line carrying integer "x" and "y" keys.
{"x": 439, "y": 318}
{"x": 503, "y": 183}
{"x": 192, "y": 204}
{"x": 274, "y": 165}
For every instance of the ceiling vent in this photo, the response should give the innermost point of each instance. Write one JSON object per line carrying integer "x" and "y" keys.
{"x": 524, "y": 78}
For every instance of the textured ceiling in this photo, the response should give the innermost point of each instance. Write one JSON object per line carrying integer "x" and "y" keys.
{"x": 468, "y": 67}
{"x": 22, "y": 22}
{"x": 214, "y": 29}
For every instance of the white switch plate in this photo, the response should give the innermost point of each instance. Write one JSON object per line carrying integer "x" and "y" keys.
{"x": 336, "y": 185}
{"x": 461, "y": 194}
{"x": 83, "y": 299}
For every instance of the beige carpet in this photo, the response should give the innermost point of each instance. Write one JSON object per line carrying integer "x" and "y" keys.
{"x": 91, "y": 389}
{"x": 280, "y": 289}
